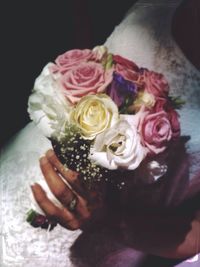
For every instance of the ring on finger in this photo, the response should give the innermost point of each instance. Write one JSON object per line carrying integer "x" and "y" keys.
{"x": 72, "y": 204}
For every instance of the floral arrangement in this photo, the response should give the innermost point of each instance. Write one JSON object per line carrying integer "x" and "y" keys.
{"x": 103, "y": 113}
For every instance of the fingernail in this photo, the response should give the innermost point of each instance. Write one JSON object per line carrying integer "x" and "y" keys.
{"x": 43, "y": 155}
{"x": 32, "y": 187}
{"x": 32, "y": 184}
{"x": 35, "y": 185}
{"x": 43, "y": 160}
{"x": 50, "y": 153}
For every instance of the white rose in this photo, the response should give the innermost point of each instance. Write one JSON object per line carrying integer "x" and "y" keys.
{"x": 119, "y": 146}
{"x": 94, "y": 114}
{"x": 47, "y": 105}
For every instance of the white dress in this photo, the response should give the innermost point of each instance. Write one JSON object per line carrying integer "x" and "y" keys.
{"x": 144, "y": 37}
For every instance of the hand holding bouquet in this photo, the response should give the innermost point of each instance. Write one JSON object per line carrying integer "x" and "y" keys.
{"x": 106, "y": 117}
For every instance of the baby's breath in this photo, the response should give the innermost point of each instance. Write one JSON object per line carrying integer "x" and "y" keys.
{"x": 73, "y": 151}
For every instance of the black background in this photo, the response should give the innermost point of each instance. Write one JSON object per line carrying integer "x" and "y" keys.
{"x": 36, "y": 32}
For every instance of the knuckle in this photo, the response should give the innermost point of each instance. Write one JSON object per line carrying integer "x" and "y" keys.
{"x": 74, "y": 226}
{"x": 46, "y": 169}
{"x": 40, "y": 197}
{"x": 50, "y": 153}
{"x": 52, "y": 213}
{"x": 62, "y": 193}
{"x": 86, "y": 216}
{"x": 41, "y": 201}
{"x": 69, "y": 224}
{"x": 73, "y": 176}
{"x": 67, "y": 198}
{"x": 43, "y": 162}
{"x": 53, "y": 159}
{"x": 82, "y": 201}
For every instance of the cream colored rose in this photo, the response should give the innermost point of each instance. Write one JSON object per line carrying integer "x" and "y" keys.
{"x": 94, "y": 114}
{"x": 143, "y": 99}
{"x": 119, "y": 146}
{"x": 100, "y": 52}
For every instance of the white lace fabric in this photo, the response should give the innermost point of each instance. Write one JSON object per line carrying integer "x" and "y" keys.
{"x": 23, "y": 245}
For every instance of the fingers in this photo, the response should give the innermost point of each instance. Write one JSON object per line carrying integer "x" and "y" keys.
{"x": 70, "y": 176}
{"x": 52, "y": 170}
{"x": 46, "y": 205}
{"x": 82, "y": 209}
{"x": 61, "y": 191}
{"x": 62, "y": 216}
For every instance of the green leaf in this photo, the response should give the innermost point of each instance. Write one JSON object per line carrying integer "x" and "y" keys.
{"x": 124, "y": 109}
{"x": 31, "y": 214}
{"x": 177, "y": 102}
{"x": 109, "y": 62}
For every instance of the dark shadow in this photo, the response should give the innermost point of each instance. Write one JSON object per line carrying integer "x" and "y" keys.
{"x": 142, "y": 216}
{"x": 186, "y": 30}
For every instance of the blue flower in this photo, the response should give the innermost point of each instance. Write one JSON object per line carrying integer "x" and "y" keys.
{"x": 122, "y": 91}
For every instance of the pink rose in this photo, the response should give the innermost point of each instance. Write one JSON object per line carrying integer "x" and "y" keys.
{"x": 84, "y": 79}
{"x": 156, "y": 131}
{"x": 162, "y": 104}
{"x": 154, "y": 83}
{"x": 128, "y": 74}
{"x": 127, "y": 69}
{"x": 175, "y": 123}
{"x": 70, "y": 59}
{"x": 124, "y": 62}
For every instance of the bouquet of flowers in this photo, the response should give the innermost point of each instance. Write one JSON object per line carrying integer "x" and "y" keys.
{"x": 105, "y": 115}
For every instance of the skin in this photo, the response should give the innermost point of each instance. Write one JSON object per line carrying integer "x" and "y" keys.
{"x": 170, "y": 236}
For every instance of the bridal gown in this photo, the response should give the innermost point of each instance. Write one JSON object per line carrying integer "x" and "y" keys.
{"x": 143, "y": 36}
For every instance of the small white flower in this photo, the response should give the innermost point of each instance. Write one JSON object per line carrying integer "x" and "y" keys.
{"x": 119, "y": 146}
